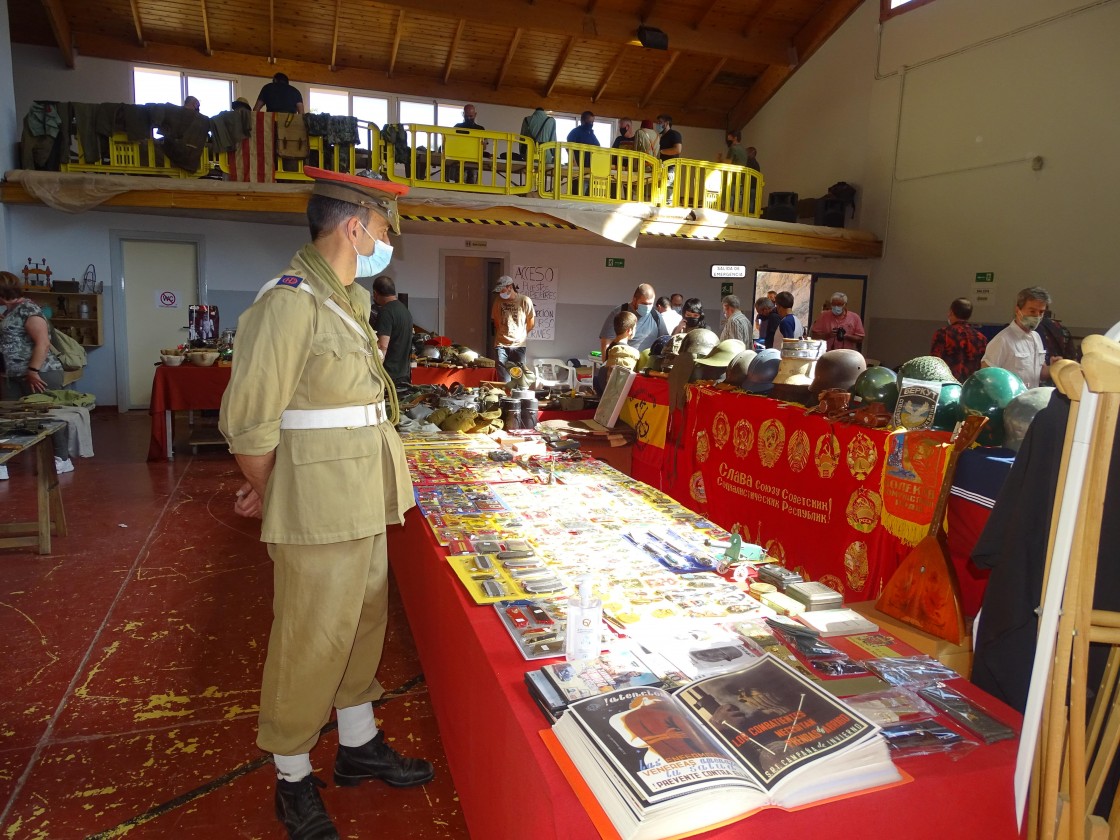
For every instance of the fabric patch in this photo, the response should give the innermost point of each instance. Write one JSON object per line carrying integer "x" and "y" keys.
{"x": 289, "y": 280}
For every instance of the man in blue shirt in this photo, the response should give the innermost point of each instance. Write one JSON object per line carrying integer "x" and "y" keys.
{"x": 585, "y": 133}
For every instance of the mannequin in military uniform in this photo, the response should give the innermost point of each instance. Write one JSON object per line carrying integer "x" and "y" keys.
{"x": 305, "y": 416}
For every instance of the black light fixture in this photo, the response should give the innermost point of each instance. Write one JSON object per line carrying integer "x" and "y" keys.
{"x": 653, "y": 38}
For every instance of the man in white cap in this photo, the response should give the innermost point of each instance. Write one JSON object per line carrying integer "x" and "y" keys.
{"x": 305, "y": 416}
{"x": 513, "y": 317}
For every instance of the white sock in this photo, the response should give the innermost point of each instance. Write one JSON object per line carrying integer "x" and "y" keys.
{"x": 292, "y": 768}
{"x": 356, "y": 725}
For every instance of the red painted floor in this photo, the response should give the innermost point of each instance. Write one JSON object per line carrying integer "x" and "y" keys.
{"x": 132, "y": 658}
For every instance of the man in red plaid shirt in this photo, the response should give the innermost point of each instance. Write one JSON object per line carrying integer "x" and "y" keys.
{"x": 960, "y": 344}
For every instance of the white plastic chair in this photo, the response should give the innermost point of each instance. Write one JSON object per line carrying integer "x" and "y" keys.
{"x": 552, "y": 373}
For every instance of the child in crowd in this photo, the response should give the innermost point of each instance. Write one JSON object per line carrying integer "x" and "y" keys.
{"x": 619, "y": 352}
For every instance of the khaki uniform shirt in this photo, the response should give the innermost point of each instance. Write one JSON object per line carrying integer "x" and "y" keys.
{"x": 328, "y": 485}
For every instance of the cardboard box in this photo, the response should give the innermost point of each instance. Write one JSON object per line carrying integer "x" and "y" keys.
{"x": 957, "y": 657}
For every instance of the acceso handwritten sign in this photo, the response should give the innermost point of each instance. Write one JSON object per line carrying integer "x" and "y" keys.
{"x": 540, "y": 283}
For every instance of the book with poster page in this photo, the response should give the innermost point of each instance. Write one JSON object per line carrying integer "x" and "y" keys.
{"x": 663, "y": 764}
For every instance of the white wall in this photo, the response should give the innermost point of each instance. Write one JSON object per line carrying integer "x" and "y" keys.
{"x": 939, "y": 138}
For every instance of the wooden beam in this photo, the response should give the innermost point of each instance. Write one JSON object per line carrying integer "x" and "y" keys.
{"x": 137, "y": 23}
{"x": 814, "y": 33}
{"x": 376, "y": 78}
{"x": 703, "y": 16}
{"x": 661, "y": 74}
{"x": 205, "y": 30}
{"x": 454, "y": 47}
{"x": 606, "y": 80}
{"x": 590, "y": 6}
{"x": 509, "y": 57}
{"x": 608, "y": 25}
{"x": 334, "y": 37}
{"x": 711, "y": 77}
{"x": 60, "y": 27}
{"x": 271, "y": 31}
{"x": 647, "y": 10}
{"x": 761, "y": 12}
{"x": 396, "y": 44}
{"x": 558, "y": 68}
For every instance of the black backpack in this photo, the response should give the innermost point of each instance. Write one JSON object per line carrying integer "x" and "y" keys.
{"x": 844, "y": 192}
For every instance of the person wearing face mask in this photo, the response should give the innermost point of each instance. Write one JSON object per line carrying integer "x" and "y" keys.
{"x": 305, "y": 416}
{"x": 513, "y": 317}
{"x": 960, "y": 344}
{"x": 838, "y": 327}
{"x": 676, "y": 301}
{"x": 692, "y": 317}
{"x": 649, "y": 328}
{"x": 1018, "y": 346}
{"x": 625, "y": 139}
{"x": 668, "y": 314}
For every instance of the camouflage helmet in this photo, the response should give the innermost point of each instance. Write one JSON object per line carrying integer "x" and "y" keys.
{"x": 926, "y": 368}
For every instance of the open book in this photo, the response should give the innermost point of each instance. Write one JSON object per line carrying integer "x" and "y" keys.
{"x": 718, "y": 749}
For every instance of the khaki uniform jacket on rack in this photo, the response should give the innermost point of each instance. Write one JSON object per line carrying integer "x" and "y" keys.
{"x": 293, "y": 352}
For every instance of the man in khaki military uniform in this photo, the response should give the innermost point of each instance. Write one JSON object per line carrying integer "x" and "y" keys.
{"x": 306, "y": 418}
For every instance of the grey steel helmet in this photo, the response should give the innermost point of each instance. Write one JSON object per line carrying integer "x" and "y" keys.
{"x": 762, "y": 370}
{"x": 737, "y": 369}
{"x": 430, "y": 352}
{"x": 837, "y": 369}
{"x": 698, "y": 343}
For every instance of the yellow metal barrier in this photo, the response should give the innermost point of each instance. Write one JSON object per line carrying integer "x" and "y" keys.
{"x": 463, "y": 160}
{"x": 701, "y": 184}
{"x": 134, "y": 157}
{"x": 577, "y": 172}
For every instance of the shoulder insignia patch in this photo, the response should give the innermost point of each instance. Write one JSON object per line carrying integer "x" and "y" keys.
{"x": 289, "y": 280}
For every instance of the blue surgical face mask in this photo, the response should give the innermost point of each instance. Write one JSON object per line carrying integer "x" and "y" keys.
{"x": 838, "y": 311}
{"x": 678, "y": 309}
{"x": 661, "y": 128}
{"x": 643, "y": 309}
{"x": 370, "y": 265}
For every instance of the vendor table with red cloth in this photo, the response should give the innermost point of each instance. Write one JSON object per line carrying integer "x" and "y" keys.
{"x": 465, "y": 376}
{"x": 185, "y": 387}
{"x": 510, "y": 786}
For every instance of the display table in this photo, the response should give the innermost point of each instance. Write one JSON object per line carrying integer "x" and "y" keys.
{"x": 51, "y": 515}
{"x": 468, "y": 377}
{"x": 182, "y": 388}
{"x": 510, "y": 786}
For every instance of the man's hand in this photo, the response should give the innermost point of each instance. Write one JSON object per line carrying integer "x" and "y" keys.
{"x": 248, "y": 502}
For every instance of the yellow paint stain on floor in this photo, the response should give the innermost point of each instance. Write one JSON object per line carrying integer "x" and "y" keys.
{"x": 132, "y": 626}
{"x": 235, "y": 712}
{"x": 82, "y": 794}
{"x": 159, "y": 706}
{"x": 83, "y": 689}
{"x": 14, "y": 828}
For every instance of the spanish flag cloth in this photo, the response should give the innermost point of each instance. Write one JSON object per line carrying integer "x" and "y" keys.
{"x": 914, "y": 470}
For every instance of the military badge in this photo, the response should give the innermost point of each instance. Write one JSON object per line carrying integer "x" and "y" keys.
{"x": 798, "y": 450}
{"x": 862, "y": 456}
{"x": 743, "y": 438}
{"x": 771, "y": 439}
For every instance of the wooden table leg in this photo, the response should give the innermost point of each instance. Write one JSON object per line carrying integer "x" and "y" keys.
{"x": 43, "y": 481}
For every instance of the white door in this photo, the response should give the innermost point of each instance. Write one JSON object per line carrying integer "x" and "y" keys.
{"x": 160, "y": 283}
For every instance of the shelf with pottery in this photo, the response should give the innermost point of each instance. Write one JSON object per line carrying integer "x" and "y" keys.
{"x": 78, "y": 314}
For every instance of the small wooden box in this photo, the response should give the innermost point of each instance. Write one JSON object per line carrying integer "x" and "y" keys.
{"x": 957, "y": 657}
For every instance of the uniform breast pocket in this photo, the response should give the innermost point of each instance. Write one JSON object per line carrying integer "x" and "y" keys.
{"x": 337, "y": 346}
{"x": 338, "y": 370}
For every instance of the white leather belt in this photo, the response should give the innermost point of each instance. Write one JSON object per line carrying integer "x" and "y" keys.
{"x": 347, "y": 417}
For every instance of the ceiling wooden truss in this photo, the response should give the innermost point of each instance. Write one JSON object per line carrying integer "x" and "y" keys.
{"x": 725, "y": 58}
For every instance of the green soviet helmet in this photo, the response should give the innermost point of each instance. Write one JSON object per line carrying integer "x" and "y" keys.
{"x": 987, "y": 392}
{"x": 876, "y": 384}
{"x": 926, "y": 368}
{"x": 949, "y": 411}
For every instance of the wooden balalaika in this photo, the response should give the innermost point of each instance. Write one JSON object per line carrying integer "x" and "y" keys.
{"x": 924, "y": 591}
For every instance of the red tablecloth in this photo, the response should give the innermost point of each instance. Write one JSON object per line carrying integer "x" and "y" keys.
{"x": 467, "y": 377}
{"x": 182, "y": 388}
{"x": 509, "y": 785}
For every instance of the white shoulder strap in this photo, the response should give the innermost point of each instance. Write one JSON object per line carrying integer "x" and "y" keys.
{"x": 334, "y": 307}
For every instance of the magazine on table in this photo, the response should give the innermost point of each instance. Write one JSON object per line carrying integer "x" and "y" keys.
{"x": 663, "y": 764}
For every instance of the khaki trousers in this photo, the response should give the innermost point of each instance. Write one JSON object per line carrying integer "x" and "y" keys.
{"x": 328, "y": 630}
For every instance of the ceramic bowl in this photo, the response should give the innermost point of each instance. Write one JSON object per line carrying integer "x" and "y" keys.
{"x": 202, "y": 358}
{"x": 171, "y": 360}
{"x": 171, "y": 351}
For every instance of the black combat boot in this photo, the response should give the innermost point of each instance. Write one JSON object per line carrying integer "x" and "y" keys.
{"x": 377, "y": 760}
{"x": 300, "y": 808}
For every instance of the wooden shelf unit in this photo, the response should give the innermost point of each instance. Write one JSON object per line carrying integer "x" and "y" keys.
{"x": 65, "y": 307}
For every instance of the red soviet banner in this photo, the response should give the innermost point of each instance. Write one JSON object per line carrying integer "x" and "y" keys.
{"x": 806, "y": 489}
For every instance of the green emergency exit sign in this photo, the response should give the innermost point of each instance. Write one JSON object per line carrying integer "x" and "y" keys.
{"x": 616, "y": 262}
{"x": 985, "y": 277}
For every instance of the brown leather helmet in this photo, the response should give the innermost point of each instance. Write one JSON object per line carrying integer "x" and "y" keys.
{"x": 837, "y": 369}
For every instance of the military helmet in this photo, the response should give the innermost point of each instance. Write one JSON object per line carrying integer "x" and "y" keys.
{"x": 949, "y": 411}
{"x": 926, "y": 368}
{"x": 1019, "y": 414}
{"x": 876, "y": 384}
{"x": 987, "y": 392}
{"x": 698, "y": 343}
{"x": 722, "y": 355}
{"x": 837, "y": 369}
{"x": 763, "y": 368}
{"x": 737, "y": 369}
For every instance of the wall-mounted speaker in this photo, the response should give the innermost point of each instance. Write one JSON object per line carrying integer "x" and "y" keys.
{"x": 653, "y": 38}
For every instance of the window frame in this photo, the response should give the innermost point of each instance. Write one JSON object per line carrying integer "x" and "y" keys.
{"x": 886, "y": 12}
{"x": 184, "y": 75}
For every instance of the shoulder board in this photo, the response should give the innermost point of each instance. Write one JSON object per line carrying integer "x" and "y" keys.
{"x": 289, "y": 280}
